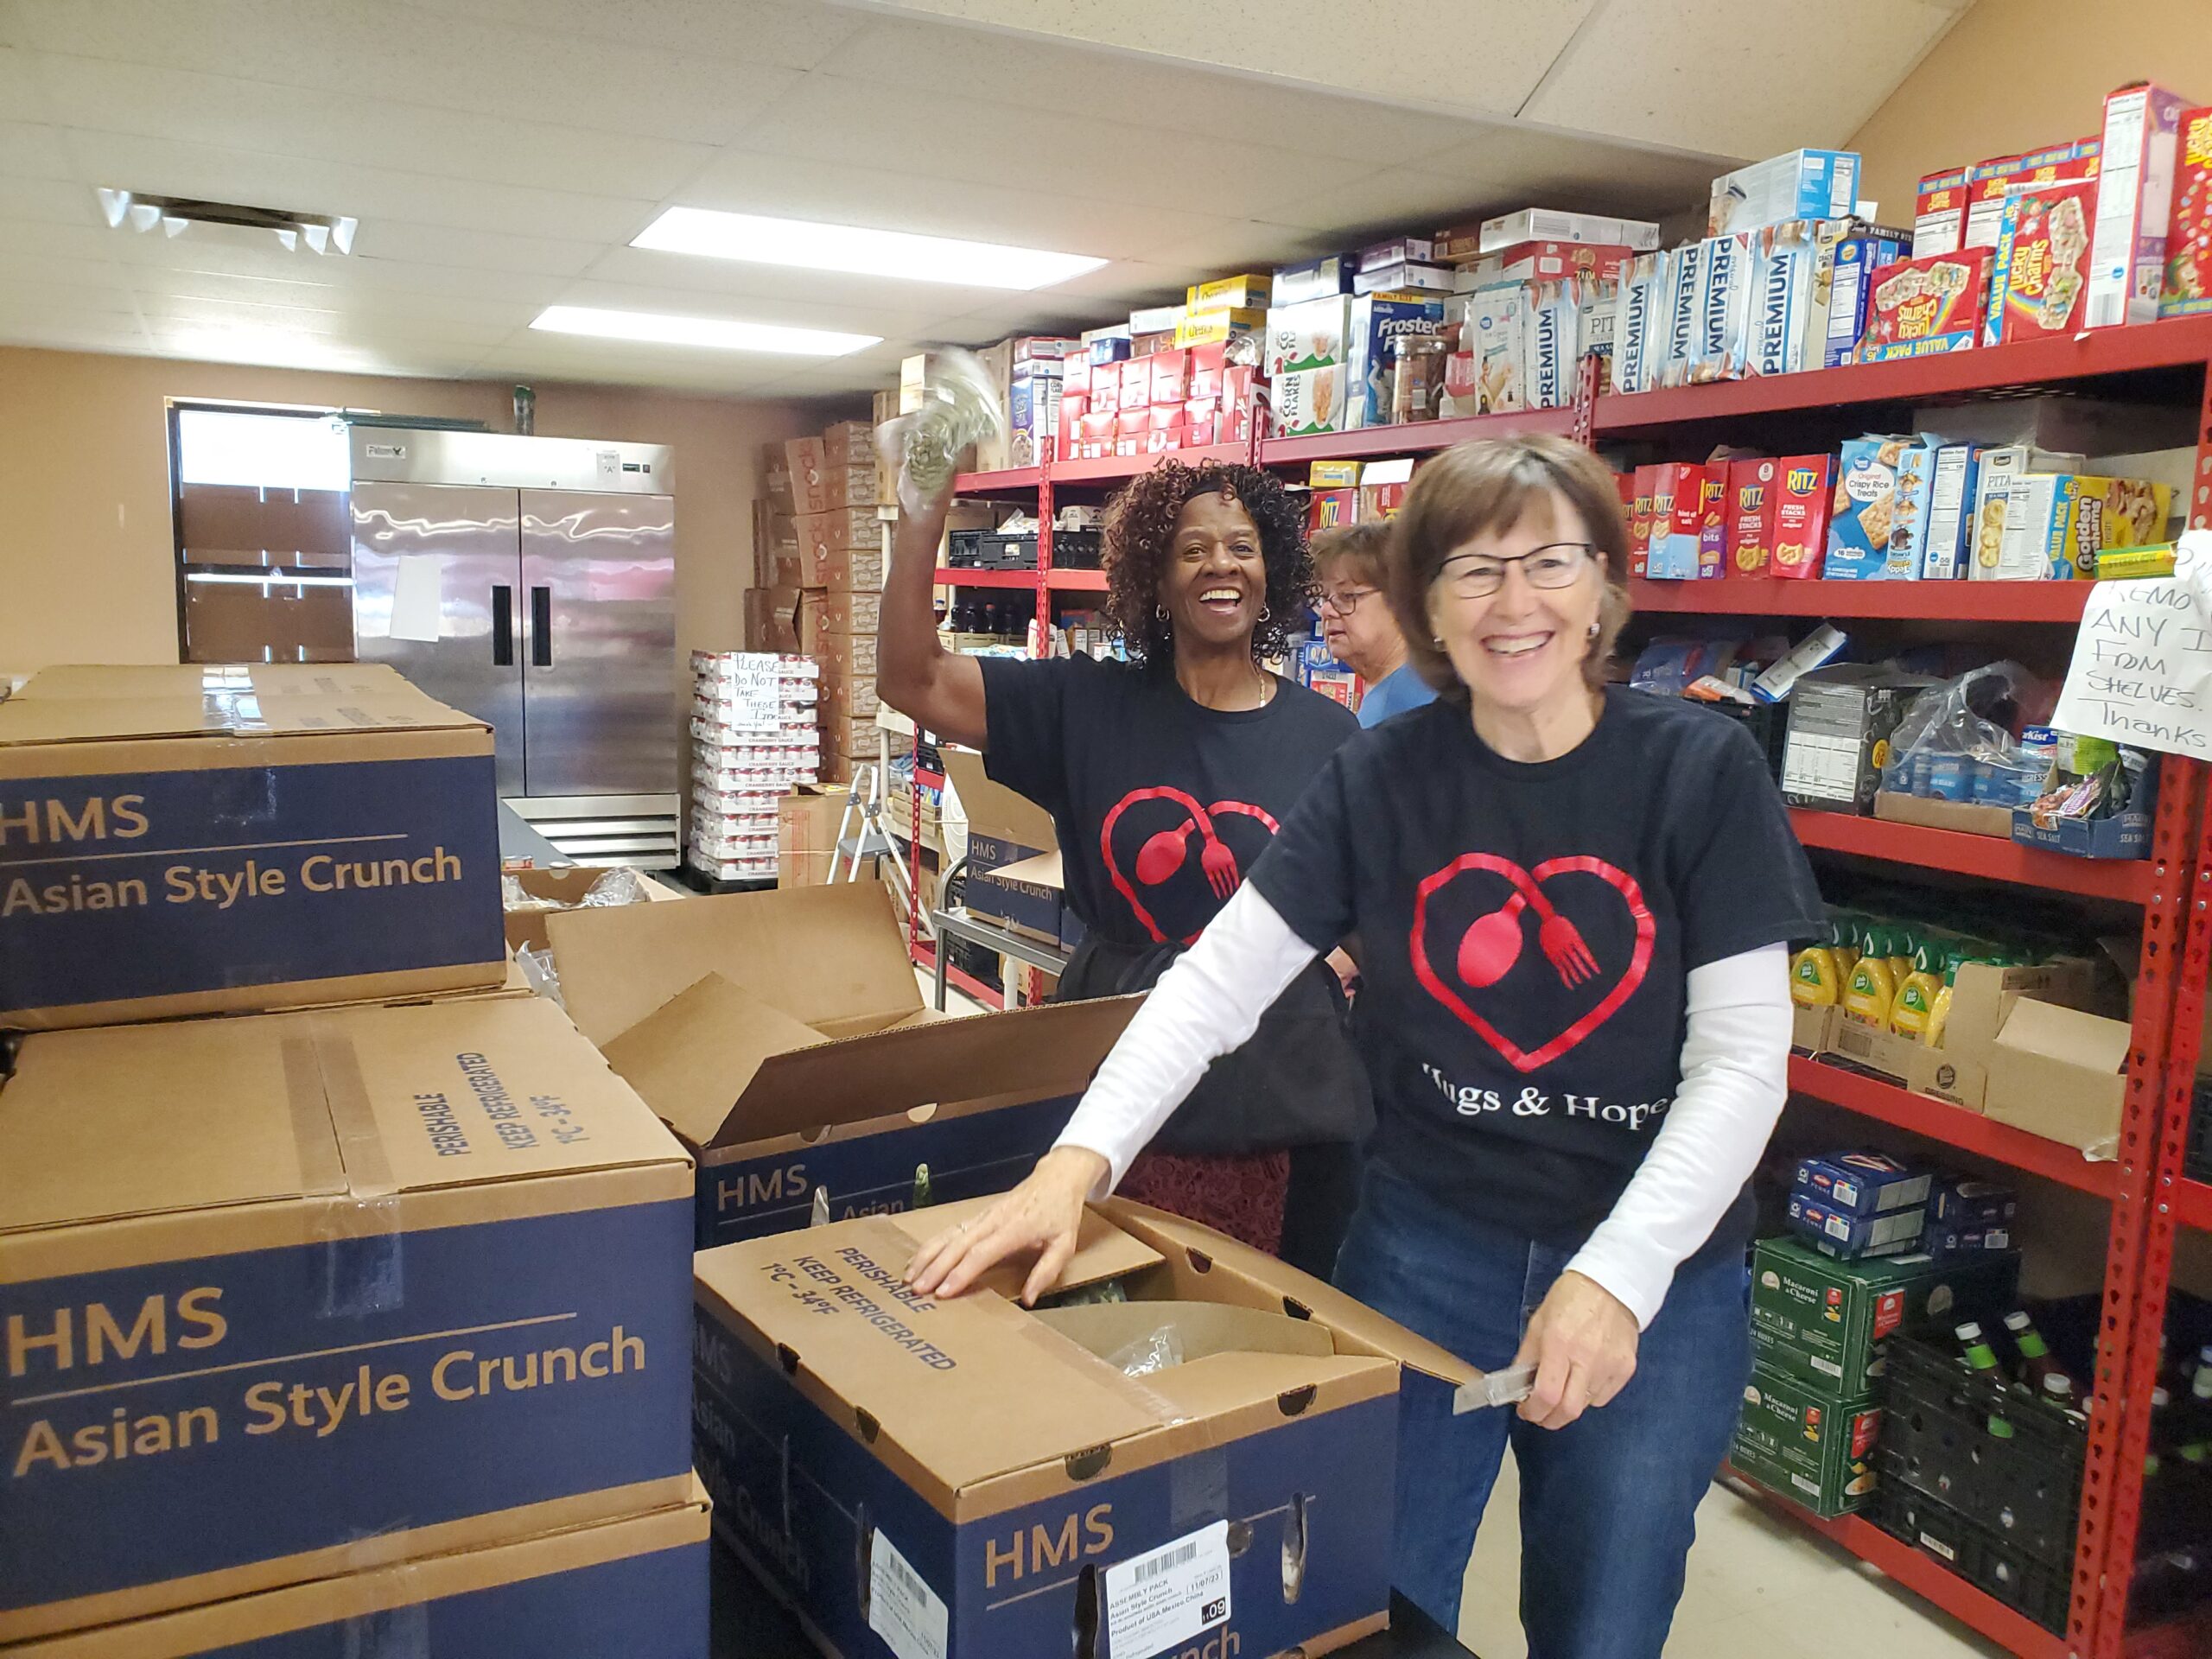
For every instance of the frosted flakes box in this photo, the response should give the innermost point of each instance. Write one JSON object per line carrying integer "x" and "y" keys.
{"x": 1920, "y": 308}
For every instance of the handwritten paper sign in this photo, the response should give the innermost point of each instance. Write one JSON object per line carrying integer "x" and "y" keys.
{"x": 2142, "y": 667}
{"x": 749, "y": 689}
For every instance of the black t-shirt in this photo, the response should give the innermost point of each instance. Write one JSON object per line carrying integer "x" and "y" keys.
{"x": 1162, "y": 806}
{"x": 1526, "y": 930}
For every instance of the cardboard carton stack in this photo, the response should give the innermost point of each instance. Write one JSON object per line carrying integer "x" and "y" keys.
{"x": 370, "y": 1313}
{"x": 753, "y": 737}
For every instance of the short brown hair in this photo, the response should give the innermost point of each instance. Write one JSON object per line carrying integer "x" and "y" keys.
{"x": 1487, "y": 487}
{"x": 1362, "y": 548}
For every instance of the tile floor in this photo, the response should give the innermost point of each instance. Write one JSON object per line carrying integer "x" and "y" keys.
{"x": 1760, "y": 1587}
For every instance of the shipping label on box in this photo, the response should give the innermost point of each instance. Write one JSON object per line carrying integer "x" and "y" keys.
{"x": 2135, "y": 187}
{"x": 1827, "y": 1322}
{"x": 214, "y": 838}
{"x": 2187, "y": 288}
{"x": 1921, "y": 308}
{"x": 2039, "y": 283}
{"x": 426, "y": 1261}
{"x": 1800, "y": 515}
{"x": 1815, "y": 1450}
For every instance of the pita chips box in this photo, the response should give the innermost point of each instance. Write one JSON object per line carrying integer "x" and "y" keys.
{"x": 988, "y": 1478}
{"x": 216, "y": 838}
{"x": 782, "y": 1037}
{"x": 637, "y": 1584}
{"x": 287, "y": 1296}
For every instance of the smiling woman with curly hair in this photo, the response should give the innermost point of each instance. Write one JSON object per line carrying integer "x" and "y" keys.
{"x": 1166, "y": 777}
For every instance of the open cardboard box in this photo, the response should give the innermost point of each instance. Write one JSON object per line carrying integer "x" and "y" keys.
{"x": 1981, "y": 1000}
{"x": 1967, "y": 817}
{"x": 1014, "y": 855}
{"x": 783, "y": 1036}
{"x": 2061, "y": 1073}
{"x": 988, "y": 1474}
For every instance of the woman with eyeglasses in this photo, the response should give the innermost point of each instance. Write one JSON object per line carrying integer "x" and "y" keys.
{"x": 1166, "y": 777}
{"x": 1576, "y": 901}
{"x": 1358, "y": 623}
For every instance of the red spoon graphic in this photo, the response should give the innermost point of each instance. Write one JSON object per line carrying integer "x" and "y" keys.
{"x": 1493, "y": 943}
{"x": 1162, "y": 854}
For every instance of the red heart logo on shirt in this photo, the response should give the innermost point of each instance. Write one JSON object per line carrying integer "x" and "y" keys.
{"x": 1560, "y": 947}
{"x": 1186, "y": 849}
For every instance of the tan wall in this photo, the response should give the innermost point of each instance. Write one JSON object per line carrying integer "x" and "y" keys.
{"x": 2015, "y": 75}
{"x": 86, "y": 560}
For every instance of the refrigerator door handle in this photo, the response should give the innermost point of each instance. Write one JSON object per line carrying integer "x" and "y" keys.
{"x": 541, "y": 628}
{"x": 503, "y": 625}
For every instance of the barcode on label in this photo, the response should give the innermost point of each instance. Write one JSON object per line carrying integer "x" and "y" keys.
{"x": 908, "y": 1580}
{"x": 1165, "y": 1562}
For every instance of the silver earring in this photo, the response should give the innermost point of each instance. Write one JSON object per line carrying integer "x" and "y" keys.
{"x": 1265, "y": 613}
{"x": 1160, "y": 612}
{"x": 1593, "y": 630}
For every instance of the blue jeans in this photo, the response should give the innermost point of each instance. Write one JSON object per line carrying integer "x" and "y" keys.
{"x": 1608, "y": 1504}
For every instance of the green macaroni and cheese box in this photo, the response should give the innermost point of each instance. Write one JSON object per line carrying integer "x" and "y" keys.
{"x": 1825, "y": 1324}
{"x": 1792, "y": 1439}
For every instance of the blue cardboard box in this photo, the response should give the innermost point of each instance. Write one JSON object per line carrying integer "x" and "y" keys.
{"x": 2127, "y": 835}
{"x": 1014, "y": 874}
{"x": 1863, "y": 1183}
{"x": 966, "y": 1477}
{"x": 633, "y": 1586}
{"x": 1877, "y": 528}
{"x": 782, "y": 1037}
{"x": 1849, "y": 1237}
{"x": 214, "y": 838}
{"x": 294, "y": 1295}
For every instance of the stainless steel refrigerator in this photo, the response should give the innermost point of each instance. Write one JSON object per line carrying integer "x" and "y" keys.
{"x": 531, "y": 582}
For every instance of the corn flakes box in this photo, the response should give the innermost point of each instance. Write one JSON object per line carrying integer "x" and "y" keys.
{"x": 1919, "y": 307}
{"x": 2041, "y": 277}
{"x": 2187, "y": 288}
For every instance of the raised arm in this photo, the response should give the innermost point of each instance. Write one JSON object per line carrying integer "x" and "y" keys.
{"x": 941, "y": 690}
{"x": 1209, "y": 1002}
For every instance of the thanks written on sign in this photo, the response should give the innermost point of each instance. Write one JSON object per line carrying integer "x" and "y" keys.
{"x": 2142, "y": 667}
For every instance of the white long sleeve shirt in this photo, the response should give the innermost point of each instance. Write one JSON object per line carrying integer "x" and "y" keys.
{"x": 1734, "y": 1078}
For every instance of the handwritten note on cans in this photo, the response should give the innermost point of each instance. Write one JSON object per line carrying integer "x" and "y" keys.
{"x": 2142, "y": 667}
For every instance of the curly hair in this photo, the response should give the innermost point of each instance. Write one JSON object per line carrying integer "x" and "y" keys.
{"x": 1140, "y": 538}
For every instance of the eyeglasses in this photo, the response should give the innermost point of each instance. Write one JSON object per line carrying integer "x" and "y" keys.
{"x": 1477, "y": 576}
{"x": 1343, "y": 602}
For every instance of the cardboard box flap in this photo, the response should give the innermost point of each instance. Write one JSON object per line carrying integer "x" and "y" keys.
{"x": 199, "y": 679}
{"x": 691, "y": 1055}
{"x": 1102, "y": 1251}
{"x": 1042, "y": 871}
{"x": 1052, "y": 1048}
{"x": 994, "y": 810}
{"x": 276, "y": 1106}
{"x": 2067, "y": 1035}
{"x": 243, "y": 715}
{"x": 1359, "y": 1327}
{"x": 817, "y": 953}
{"x": 1014, "y": 1398}
{"x": 1214, "y": 1386}
{"x": 1184, "y": 1330}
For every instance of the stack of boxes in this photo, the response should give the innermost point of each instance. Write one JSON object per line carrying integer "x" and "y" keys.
{"x": 1180, "y": 392}
{"x": 366, "y": 1316}
{"x": 754, "y": 740}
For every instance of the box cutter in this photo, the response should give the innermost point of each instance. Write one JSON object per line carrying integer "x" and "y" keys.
{"x": 1505, "y": 1388}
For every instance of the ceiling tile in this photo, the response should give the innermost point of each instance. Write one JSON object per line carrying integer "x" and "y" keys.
{"x": 77, "y": 275}
{"x": 1248, "y": 244}
{"x": 193, "y": 253}
{"x": 155, "y": 286}
{"x": 1398, "y": 199}
{"x": 163, "y": 310}
{"x": 1706, "y": 75}
{"x": 65, "y": 298}
{"x": 56, "y": 201}
{"x": 628, "y": 363}
{"x": 221, "y": 111}
{"x": 1516, "y": 166}
{"x": 657, "y": 89}
{"x": 31, "y": 152}
{"x": 441, "y": 244}
{"x": 18, "y": 93}
{"x": 795, "y": 36}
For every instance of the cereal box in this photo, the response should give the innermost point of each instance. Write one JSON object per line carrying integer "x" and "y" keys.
{"x": 2072, "y": 517}
{"x": 1554, "y": 342}
{"x": 2187, "y": 290}
{"x": 1546, "y": 224}
{"x": 1685, "y": 288}
{"x": 1919, "y": 307}
{"x": 1804, "y": 184}
{"x": 1939, "y": 215}
{"x": 1988, "y": 183}
{"x": 2039, "y": 283}
{"x": 1948, "y": 551}
{"x": 1307, "y": 335}
{"x": 1878, "y": 515}
{"x": 1497, "y": 332}
{"x": 1309, "y": 400}
{"x": 1685, "y": 496}
{"x": 1751, "y": 496}
{"x": 1782, "y": 262}
{"x": 1720, "y": 342}
{"x": 1843, "y": 298}
{"x": 1316, "y": 279}
{"x": 1995, "y": 470}
{"x": 2135, "y": 187}
{"x": 1536, "y": 261}
{"x": 1396, "y": 251}
{"x": 1375, "y": 321}
{"x": 1801, "y": 514}
{"x": 1639, "y": 324}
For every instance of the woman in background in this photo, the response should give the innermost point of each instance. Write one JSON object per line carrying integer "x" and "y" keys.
{"x": 1358, "y": 624}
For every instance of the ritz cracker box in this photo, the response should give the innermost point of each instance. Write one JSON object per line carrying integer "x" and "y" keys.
{"x": 636, "y": 1585}
{"x": 426, "y": 1262}
{"x": 971, "y": 1479}
{"x": 213, "y": 838}
{"x": 784, "y": 1039}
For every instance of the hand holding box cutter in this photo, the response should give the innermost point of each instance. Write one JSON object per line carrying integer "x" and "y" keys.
{"x": 1506, "y": 1387}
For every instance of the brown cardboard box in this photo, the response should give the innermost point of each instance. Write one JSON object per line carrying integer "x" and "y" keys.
{"x": 653, "y": 1590}
{"x": 807, "y": 625}
{"x": 771, "y": 618}
{"x": 810, "y": 470}
{"x": 1964, "y": 816}
{"x": 2060, "y": 1073}
{"x": 840, "y": 527}
{"x": 1981, "y": 1000}
{"x": 776, "y": 477}
{"x": 760, "y": 1026}
{"x": 848, "y": 612}
{"x": 562, "y": 888}
{"x": 849, "y": 444}
{"x": 217, "y": 837}
{"x": 845, "y": 656}
{"x": 1808, "y": 1029}
{"x": 846, "y": 701}
{"x": 1270, "y": 1391}
{"x": 852, "y": 486}
{"x": 806, "y": 835}
{"x": 853, "y": 569}
{"x": 1013, "y": 857}
{"x": 320, "y": 1231}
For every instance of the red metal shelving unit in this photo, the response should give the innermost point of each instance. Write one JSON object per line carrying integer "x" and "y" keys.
{"x": 2192, "y": 1204}
{"x": 1935, "y": 601}
{"x": 951, "y": 576}
{"x": 2127, "y": 880}
{"x": 1076, "y": 582}
{"x": 1414, "y": 438}
{"x": 1953, "y": 1126}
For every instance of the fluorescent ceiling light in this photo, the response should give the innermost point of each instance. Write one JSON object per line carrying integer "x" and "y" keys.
{"x": 868, "y": 253}
{"x": 273, "y": 579}
{"x": 721, "y": 332}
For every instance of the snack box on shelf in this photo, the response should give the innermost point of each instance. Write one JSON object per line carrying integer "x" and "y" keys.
{"x": 1921, "y": 307}
{"x": 1877, "y": 524}
{"x": 1845, "y": 269}
{"x": 1796, "y": 1441}
{"x": 2135, "y": 187}
{"x": 1314, "y": 279}
{"x": 1802, "y": 184}
{"x": 1549, "y": 224}
{"x": 1849, "y": 1237}
{"x": 1865, "y": 1183}
{"x": 2186, "y": 291}
{"x": 2057, "y": 524}
{"x": 2125, "y": 834}
{"x": 1939, "y": 212}
{"x": 1826, "y": 1323}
